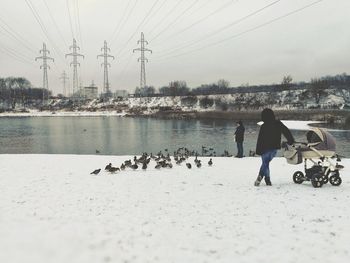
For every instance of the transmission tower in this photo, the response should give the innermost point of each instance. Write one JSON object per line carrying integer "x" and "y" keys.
{"x": 44, "y": 67}
{"x": 142, "y": 59}
{"x": 64, "y": 79}
{"x": 105, "y": 65}
{"x": 75, "y": 64}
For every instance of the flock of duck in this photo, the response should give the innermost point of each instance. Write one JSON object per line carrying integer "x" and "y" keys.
{"x": 162, "y": 160}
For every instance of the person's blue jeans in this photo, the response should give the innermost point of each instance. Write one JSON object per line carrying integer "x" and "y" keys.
{"x": 240, "y": 149}
{"x": 265, "y": 166}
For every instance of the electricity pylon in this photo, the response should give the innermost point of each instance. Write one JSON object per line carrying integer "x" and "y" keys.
{"x": 45, "y": 66}
{"x": 64, "y": 79}
{"x": 75, "y": 64}
{"x": 142, "y": 59}
{"x": 105, "y": 65}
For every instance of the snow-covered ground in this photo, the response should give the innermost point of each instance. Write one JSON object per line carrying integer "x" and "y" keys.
{"x": 35, "y": 113}
{"x": 53, "y": 210}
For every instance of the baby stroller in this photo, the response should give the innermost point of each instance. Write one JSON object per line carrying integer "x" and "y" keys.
{"x": 319, "y": 150}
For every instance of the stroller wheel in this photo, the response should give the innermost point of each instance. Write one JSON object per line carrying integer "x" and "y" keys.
{"x": 325, "y": 179}
{"x": 298, "y": 177}
{"x": 335, "y": 180}
{"x": 317, "y": 180}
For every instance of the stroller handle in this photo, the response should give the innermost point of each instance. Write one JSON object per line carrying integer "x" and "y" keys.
{"x": 295, "y": 144}
{"x": 303, "y": 143}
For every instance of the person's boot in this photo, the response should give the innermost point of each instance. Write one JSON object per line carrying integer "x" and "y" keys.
{"x": 268, "y": 181}
{"x": 258, "y": 180}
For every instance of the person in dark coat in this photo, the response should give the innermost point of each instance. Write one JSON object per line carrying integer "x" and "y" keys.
{"x": 269, "y": 141}
{"x": 239, "y": 138}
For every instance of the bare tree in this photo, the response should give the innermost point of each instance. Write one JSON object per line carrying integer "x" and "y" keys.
{"x": 223, "y": 84}
{"x": 318, "y": 88}
{"x": 287, "y": 81}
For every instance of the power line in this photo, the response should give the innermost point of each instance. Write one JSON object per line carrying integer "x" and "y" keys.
{"x": 166, "y": 16}
{"x": 249, "y": 30}
{"x": 203, "y": 18}
{"x": 70, "y": 18}
{"x": 201, "y": 7}
{"x": 18, "y": 54}
{"x": 176, "y": 19}
{"x": 236, "y": 22}
{"x": 15, "y": 35}
{"x": 43, "y": 28}
{"x": 125, "y": 21}
{"x": 77, "y": 19}
{"x": 15, "y": 55}
{"x": 156, "y": 11}
{"x": 138, "y": 27}
{"x": 54, "y": 22}
{"x": 120, "y": 20}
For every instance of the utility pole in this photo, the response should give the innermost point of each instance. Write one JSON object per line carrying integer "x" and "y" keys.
{"x": 75, "y": 64}
{"x": 64, "y": 79}
{"x": 44, "y": 66}
{"x": 105, "y": 65}
{"x": 142, "y": 59}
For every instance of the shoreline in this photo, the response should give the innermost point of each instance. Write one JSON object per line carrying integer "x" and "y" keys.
{"x": 330, "y": 116}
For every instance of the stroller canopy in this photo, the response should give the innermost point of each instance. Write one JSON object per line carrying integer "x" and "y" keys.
{"x": 321, "y": 139}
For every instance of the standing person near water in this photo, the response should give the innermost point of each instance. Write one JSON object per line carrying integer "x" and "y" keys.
{"x": 269, "y": 141}
{"x": 239, "y": 138}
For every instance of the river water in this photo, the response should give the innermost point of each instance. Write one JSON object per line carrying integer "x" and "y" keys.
{"x": 129, "y": 136}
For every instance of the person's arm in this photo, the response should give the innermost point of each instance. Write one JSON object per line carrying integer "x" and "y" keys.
{"x": 287, "y": 134}
{"x": 258, "y": 149}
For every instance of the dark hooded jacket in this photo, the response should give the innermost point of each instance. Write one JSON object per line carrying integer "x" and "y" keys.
{"x": 270, "y": 133}
{"x": 239, "y": 134}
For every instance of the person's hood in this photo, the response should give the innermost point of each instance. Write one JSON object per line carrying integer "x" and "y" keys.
{"x": 267, "y": 115}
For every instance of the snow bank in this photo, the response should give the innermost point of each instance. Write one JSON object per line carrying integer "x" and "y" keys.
{"x": 53, "y": 210}
{"x": 62, "y": 114}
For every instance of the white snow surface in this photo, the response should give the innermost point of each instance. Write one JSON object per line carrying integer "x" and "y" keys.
{"x": 53, "y": 210}
{"x": 35, "y": 113}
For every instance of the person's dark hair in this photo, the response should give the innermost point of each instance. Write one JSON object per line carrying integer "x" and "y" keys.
{"x": 267, "y": 115}
{"x": 240, "y": 122}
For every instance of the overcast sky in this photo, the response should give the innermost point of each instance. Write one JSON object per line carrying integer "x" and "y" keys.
{"x": 199, "y": 41}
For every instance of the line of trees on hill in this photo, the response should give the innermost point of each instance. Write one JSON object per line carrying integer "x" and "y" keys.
{"x": 316, "y": 87}
{"x": 19, "y": 91}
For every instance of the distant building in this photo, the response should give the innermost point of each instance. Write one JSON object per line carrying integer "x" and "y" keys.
{"x": 91, "y": 92}
{"x": 121, "y": 93}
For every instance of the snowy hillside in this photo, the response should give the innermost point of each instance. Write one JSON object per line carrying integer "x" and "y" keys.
{"x": 297, "y": 99}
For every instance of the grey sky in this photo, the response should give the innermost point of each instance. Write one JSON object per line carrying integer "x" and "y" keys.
{"x": 310, "y": 43}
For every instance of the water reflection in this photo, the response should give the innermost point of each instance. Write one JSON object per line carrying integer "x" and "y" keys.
{"x": 119, "y": 136}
